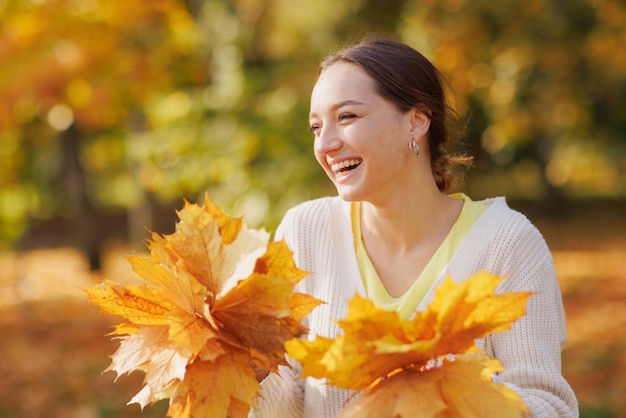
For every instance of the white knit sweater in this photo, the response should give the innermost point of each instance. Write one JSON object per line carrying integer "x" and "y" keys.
{"x": 502, "y": 241}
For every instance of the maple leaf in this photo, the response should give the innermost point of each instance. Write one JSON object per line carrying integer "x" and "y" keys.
{"x": 460, "y": 387}
{"x": 163, "y": 361}
{"x": 207, "y": 395}
{"x": 376, "y": 344}
{"x": 217, "y": 297}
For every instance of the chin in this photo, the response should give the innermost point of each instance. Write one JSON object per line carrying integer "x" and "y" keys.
{"x": 348, "y": 196}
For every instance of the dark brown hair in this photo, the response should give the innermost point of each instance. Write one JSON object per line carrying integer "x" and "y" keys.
{"x": 408, "y": 79}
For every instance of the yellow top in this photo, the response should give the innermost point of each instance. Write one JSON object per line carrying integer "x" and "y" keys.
{"x": 407, "y": 304}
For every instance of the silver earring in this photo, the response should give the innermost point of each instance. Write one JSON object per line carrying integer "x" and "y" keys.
{"x": 414, "y": 146}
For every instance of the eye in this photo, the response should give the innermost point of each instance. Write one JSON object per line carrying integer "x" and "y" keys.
{"x": 345, "y": 116}
{"x": 314, "y": 127}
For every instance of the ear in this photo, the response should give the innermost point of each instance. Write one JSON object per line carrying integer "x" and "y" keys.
{"x": 419, "y": 121}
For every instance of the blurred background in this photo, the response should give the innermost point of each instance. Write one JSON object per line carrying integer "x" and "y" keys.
{"x": 112, "y": 112}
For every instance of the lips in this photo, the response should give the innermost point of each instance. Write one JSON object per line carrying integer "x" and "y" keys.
{"x": 343, "y": 167}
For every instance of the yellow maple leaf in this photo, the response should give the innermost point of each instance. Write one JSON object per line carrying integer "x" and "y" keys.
{"x": 255, "y": 317}
{"x": 217, "y": 250}
{"x": 460, "y": 387}
{"x": 138, "y": 304}
{"x": 471, "y": 310}
{"x": 217, "y": 297}
{"x": 205, "y": 393}
{"x": 376, "y": 343}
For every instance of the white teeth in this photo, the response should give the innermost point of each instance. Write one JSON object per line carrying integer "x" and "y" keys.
{"x": 337, "y": 167}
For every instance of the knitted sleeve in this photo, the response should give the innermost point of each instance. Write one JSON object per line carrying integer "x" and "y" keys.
{"x": 319, "y": 233}
{"x": 284, "y": 391}
{"x": 531, "y": 350}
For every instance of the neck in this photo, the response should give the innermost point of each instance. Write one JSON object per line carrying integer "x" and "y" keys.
{"x": 404, "y": 223}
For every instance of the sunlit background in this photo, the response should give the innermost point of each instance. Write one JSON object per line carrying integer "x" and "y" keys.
{"x": 112, "y": 112}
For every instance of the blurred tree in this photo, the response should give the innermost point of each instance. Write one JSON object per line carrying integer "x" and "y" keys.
{"x": 546, "y": 80}
{"x": 135, "y": 105}
{"x": 76, "y": 78}
{"x": 109, "y": 104}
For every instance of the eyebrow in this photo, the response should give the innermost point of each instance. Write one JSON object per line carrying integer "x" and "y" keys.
{"x": 340, "y": 105}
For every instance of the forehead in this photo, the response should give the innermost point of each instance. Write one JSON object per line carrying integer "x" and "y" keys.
{"x": 339, "y": 82}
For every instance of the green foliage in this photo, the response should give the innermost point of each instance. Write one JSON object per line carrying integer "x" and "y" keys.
{"x": 595, "y": 412}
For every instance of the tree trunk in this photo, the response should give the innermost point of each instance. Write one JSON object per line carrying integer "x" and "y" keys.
{"x": 83, "y": 225}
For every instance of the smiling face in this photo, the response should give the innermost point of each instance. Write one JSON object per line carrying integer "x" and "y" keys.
{"x": 360, "y": 137}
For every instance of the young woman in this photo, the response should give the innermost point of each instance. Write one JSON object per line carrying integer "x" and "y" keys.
{"x": 379, "y": 116}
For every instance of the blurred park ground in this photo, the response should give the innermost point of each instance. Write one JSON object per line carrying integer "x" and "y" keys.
{"x": 112, "y": 113}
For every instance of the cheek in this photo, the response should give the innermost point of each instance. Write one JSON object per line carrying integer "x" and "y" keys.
{"x": 318, "y": 155}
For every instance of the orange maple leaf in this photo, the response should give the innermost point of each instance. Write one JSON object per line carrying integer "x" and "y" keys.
{"x": 459, "y": 387}
{"x": 377, "y": 344}
{"x": 217, "y": 296}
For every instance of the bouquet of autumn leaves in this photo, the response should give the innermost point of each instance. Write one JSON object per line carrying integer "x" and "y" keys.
{"x": 426, "y": 367}
{"x": 217, "y": 298}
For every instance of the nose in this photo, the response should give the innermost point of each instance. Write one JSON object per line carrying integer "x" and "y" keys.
{"x": 328, "y": 140}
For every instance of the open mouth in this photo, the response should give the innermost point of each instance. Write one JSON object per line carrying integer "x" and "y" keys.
{"x": 344, "y": 167}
